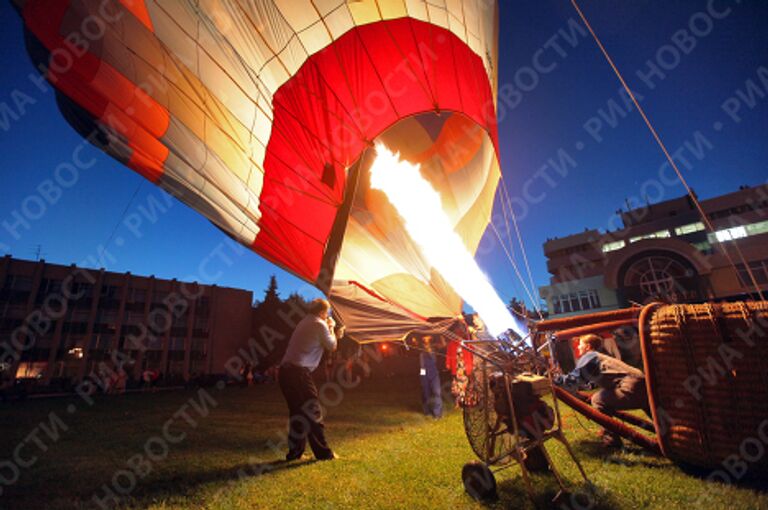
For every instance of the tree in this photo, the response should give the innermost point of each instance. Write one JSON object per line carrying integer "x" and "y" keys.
{"x": 517, "y": 306}
{"x": 274, "y": 321}
{"x": 271, "y": 296}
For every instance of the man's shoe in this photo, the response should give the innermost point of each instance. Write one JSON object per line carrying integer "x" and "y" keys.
{"x": 332, "y": 456}
{"x": 293, "y": 456}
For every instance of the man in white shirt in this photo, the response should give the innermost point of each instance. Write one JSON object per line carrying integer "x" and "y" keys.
{"x": 313, "y": 335}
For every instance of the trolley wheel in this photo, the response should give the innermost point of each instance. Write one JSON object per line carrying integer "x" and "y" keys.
{"x": 535, "y": 460}
{"x": 479, "y": 481}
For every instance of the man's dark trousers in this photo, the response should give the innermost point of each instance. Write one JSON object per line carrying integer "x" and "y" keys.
{"x": 305, "y": 414}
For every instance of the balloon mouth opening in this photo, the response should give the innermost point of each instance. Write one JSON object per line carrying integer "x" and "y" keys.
{"x": 457, "y": 158}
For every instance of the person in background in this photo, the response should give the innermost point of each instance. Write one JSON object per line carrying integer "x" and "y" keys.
{"x": 244, "y": 375}
{"x": 149, "y": 378}
{"x": 312, "y": 336}
{"x": 628, "y": 341}
{"x": 431, "y": 393}
{"x": 610, "y": 347}
{"x": 621, "y": 387}
{"x": 122, "y": 381}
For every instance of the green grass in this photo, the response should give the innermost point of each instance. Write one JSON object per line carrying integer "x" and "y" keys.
{"x": 392, "y": 457}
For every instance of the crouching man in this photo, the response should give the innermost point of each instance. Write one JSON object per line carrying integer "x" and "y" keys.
{"x": 313, "y": 335}
{"x": 621, "y": 386}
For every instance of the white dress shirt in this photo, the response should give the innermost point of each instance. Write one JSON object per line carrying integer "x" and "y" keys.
{"x": 308, "y": 341}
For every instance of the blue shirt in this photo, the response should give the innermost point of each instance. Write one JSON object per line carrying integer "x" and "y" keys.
{"x": 308, "y": 342}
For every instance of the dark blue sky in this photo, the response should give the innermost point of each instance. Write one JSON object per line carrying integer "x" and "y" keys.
{"x": 555, "y": 81}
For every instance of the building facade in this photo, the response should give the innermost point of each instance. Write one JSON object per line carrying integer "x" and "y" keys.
{"x": 664, "y": 252}
{"x": 66, "y": 322}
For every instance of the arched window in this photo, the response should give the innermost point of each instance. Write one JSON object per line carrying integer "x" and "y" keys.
{"x": 659, "y": 276}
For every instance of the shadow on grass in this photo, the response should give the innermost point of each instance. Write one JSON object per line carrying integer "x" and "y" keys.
{"x": 512, "y": 494}
{"x": 752, "y": 479}
{"x": 186, "y": 485}
{"x": 640, "y": 457}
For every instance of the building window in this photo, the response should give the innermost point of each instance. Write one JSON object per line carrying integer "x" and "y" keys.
{"x": 48, "y": 287}
{"x": 757, "y": 228}
{"x": 16, "y": 310}
{"x": 180, "y": 320}
{"x": 576, "y": 301}
{"x": 759, "y": 270}
{"x": 102, "y": 342}
{"x": 159, "y": 297}
{"x": 728, "y": 234}
{"x": 82, "y": 290}
{"x": 107, "y": 316}
{"x": 20, "y": 283}
{"x": 584, "y": 300}
{"x": 155, "y": 343}
{"x": 616, "y": 245}
{"x": 689, "y": 229}
{"x": 108, "y": 291}
{"x": 201, "y": 322}
{"x": 134, "y": 318}
{"x": 739, "y": 232}
{"x": 661, "y": 234}
{"x": 31, "y": 370}
{"x": 199, "y": 345}
{"x": 137, "y": 295}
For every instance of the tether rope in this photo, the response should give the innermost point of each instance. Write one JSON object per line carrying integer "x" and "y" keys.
{"x": 519, "y": 235}
{"x": 517, "y": 270}
{"x": 510, "y": 249}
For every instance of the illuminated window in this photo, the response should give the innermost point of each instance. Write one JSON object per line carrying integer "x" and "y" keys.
{"x": 689, "y": 229}
{"x": 33, "y": 370}
{"x": 757, "y": 228}
{"x": 76, "y": 352}
{"x": 729, "y": 234}
{"x": 616, "y": 245}
{"x": 654, "y": 235}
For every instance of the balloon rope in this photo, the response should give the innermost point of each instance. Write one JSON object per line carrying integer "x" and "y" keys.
{"x": 672, "y": 163}
{"x": 509, "y": 236}
{"x": 519, "y": 239}
{"x": 122, "y": 215}
{"x": 534, "y": 303}
{"x": 517, "y": 270}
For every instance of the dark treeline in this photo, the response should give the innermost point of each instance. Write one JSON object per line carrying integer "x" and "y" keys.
{"x": 277, "y": 318}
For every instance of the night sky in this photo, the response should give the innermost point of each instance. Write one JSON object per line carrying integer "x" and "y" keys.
{"x": 572, "y": 152}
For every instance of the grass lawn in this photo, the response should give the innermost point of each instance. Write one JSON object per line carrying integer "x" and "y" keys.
{"x": 392, "y": 457}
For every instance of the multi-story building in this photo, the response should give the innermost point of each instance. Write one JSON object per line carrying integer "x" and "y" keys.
{"x": 65, "y": 321}
{"x": 663, "y": 251}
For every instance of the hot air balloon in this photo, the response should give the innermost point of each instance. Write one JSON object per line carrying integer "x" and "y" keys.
{"x": 263, "y": 115}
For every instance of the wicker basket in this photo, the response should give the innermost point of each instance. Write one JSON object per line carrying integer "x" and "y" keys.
{"x": 707, "y": 375}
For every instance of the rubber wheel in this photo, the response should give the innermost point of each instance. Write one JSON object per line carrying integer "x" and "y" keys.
{"x": 479, "y": 481}
{"x": 536, "y": 461}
